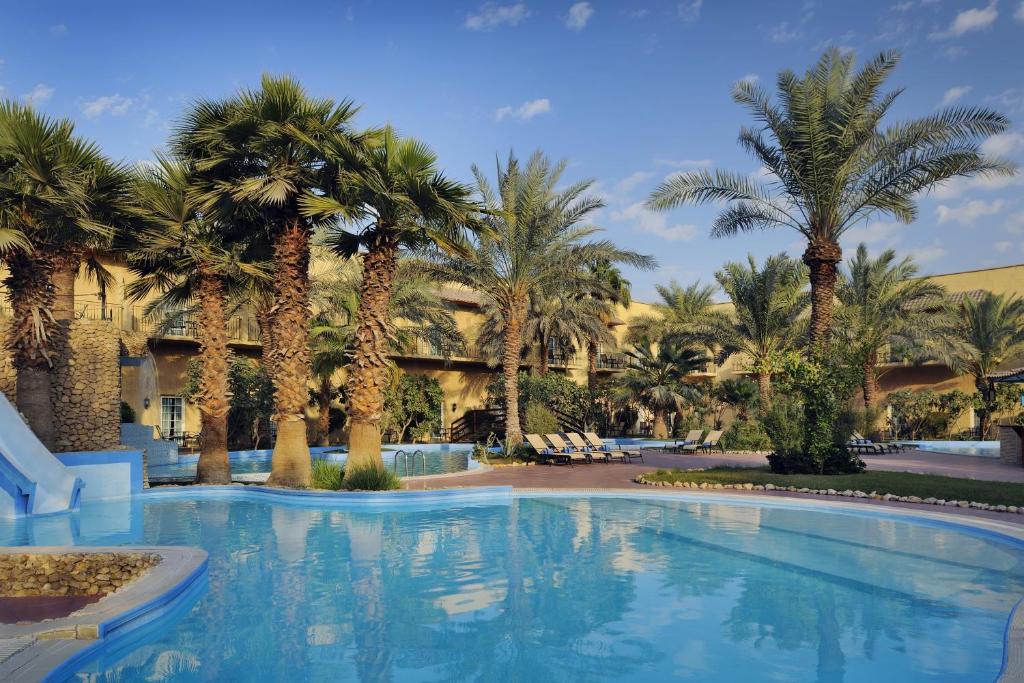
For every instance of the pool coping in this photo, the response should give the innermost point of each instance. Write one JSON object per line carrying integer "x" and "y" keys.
{"x": 45, "y": 650}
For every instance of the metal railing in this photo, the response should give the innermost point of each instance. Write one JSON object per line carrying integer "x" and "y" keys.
{"x": 403, "y": 457}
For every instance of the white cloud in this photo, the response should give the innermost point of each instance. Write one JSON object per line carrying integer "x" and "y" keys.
{"x": 749, "y": 78}
{"x": 491, "y": 16}
{"x": 955, "y": 187}
{"x": 955, "y": 93}
{"x": 1003, "y": 144}
{"x": 954, "y": 52}
{"x": 647, "y": 221}
{"x": 685, "y": 163}
{"x": 1011, "y": 98}
{"x": 933, "y": 251}
{"x": 631, "y": 181}
{"x": 967, "y": 213}
{"x": 579, "y": 15}
{"x": 784, "y": 33}
{"x": 903, "y": 6}
{"x": 39, "y": 94}
{"x": 115, "y": 105}
{"x": 1015, "y": 223}
{"x": 524, "y": 112}
{"x": 1019, "y": 14}
{"x": 1003, "y": 247}
{"x": 689, "y": 10}
{"x": 58, "y": 29}
{"x": 974, "y": 19}
{"x": 638, "y": 13}
{"x": 882, "y": 234}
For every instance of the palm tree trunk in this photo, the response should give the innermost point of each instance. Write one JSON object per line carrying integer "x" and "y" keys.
{"x": 822, "y": 258}
{"x": 660, "y": 425}
{"x": 30, "y": 292}
{"x": 510, "y": 368}
{"x": 289, "y": 359}
{"x": 370, "y": 371}
{"x": 545, "y": 360}
{"x": 324, "y": 417}
{"x": 764, "y": 388}
{"x": 65, "y": 271}
{"x": 985, "y": 414}
{"x": 213, "y": 467}
{"x": 870, "y": 385}
{"x": 592, "y": 366}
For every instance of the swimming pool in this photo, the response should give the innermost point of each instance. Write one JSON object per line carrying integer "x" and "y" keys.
{"x": 436, "y": 459}
{"x": 558, "y": 587}
{"x": 983, "y": 449}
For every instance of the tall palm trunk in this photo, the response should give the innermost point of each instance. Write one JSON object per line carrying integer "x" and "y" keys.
{"x": 510, "y": 368}
{"x": 822, "y": 258}
{"x": 30, "y": 292}
{"x": 592, "y": 366}
{"x": 870, "y": 384}
{"x": 660, "y": 425}
{"x": 764, "y": 388}
{"x": 370, "y": 371}
{"x": 213, "y": 467}
{"x": 323, "y": 423}
{"x": 289, "y": 358}
{"x": 65, "y": 272}
{"x": 545, "y": 359}
{"x": 985, "y": 414}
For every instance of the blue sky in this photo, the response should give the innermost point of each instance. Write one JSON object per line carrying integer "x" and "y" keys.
{"x": 627, "y": 92}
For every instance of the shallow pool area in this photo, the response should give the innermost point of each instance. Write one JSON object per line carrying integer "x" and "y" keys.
{"x": 981, "y": 449}
{"x": 404, "y": 459}
{"x": 554, "y": 586}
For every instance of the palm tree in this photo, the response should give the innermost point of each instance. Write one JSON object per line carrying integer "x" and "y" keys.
{"x": 57, "y": 194}
{"x": 612, "y": 289}
{"x": 686, "y": 315}
{"x": 657, "y": 379}
{"x": 184, "y": 255}
{"x": 260, "y": 153}
{"x": 563, "y": 322}
{"x": 536, "y": 243}
{"x": 883, "y": 303}
{"x": 767, "y": 303}
{"x": 401, "y": 201}
{"x": 985, "y": 334}
{"x": 828, "y": 167}
{"x": 416, "y": 311}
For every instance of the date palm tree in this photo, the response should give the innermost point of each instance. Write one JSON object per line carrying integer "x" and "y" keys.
{"x": 611, "y": 288}
{"x": 185, "y": 256}
{"x": 686, "y": 315}
{"x": 767, "y": 303}
{"x": 827, "y": 166}
{"x": 58, "y": 194}
{"x": 883, "y": 304}
{"x": 389, "y": 196}
{"x": 262, "y": 151}
{"x": 537, "y": 242}
{"x": 985, "y": 334}
{"x": 656, "y": 379}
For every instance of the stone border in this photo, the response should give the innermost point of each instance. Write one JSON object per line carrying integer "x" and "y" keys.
{"x": 57, "y": 644}
{"x": 847, "y": 493}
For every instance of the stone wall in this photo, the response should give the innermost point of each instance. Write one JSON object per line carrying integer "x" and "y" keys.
{"x": 1011, "y": 444}
{"x": 87, "y": 388}
{"x": 71, "y": 573}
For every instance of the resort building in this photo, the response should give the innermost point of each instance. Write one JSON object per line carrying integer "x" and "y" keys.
{"x": 120, "y": 354}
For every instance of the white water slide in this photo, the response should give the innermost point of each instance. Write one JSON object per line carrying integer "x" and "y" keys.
{"x": 36, "y": 482}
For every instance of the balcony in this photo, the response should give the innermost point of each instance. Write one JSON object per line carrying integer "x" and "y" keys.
{"x": 185, "y": 326}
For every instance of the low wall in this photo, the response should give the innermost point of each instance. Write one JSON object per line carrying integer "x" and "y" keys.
{"x": 70, "y": 573}
{"x": 107, "y": 474}
{"x": 1011, "y": 445}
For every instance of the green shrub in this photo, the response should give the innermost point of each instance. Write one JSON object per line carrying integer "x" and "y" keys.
{"x": 371, "y": 479}
{"x": 540, "y": 420}
{"x": 327, "y": 474}
{"x": 746, "y": 435}
{"x": 554, "y": 391}
{"x": 127, "y": 413}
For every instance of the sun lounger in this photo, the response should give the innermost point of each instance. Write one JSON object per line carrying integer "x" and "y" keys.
{"x": 545, "y": 453}
{"x": 598, "y": 444}
{"x": 575, "y": 454}
{"x": 712, "y": 441}
{"x": 603, "y": 456}
{"x": 692, "y": 437}
{"x": 859, "y": 444}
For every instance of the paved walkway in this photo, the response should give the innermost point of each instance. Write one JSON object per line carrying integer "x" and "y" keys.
{"x": 620, "y": 476}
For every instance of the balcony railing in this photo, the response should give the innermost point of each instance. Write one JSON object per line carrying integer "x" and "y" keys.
{"x": 240, "y": 329}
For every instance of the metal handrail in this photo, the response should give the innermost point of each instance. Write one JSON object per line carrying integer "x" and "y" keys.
{"x": 405, "y": 462}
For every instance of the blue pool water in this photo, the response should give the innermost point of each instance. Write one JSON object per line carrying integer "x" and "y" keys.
{"x": 559, "y": 588}
{"x": 437, "y": 459}
{"x": 983, "y": 449}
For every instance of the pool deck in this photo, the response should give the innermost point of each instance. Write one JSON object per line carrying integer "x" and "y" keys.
{"x": 621, "y": 476}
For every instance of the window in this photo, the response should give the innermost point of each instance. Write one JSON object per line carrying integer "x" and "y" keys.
{"x": 170, "y": 416}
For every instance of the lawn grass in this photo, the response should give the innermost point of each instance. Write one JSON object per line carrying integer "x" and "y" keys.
{"x": 896, "y": 483}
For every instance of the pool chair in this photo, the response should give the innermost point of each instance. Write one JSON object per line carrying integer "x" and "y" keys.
{"x": 859, "y": 444}
{"x": 692, "y": 437}
{"x": 628, "y": 454}
{"x": 575, "y": 454}
{"x": 546, "y": 455}
{"x": 604, "y": 456}
{"x": 711, "y": 442}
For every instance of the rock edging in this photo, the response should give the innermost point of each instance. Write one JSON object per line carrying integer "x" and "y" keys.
{"x": 847, "y": 493}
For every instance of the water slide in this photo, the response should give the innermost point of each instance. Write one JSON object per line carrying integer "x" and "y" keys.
{"x": 35, "y": 482}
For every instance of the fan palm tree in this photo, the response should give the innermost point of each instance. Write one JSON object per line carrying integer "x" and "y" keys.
{"x": 657, "y": 379}
{"x": 260, "y": 153}
{"x": 614, "y": 290}
{"x": 402, "y": 201}
{"x": 767, "y": 303}
{"x": 986, "y": 334}
{"x": 884, "y": 303}
{"x": 536, "y": 242}
{"x": 686, "y": 315}
{"x": 828, "y": 166}
{"x": 58, "y": 194}
{"x": 561, "y": 322}
{"x": 416, "y": 312}
{"x": 185, "y": 256}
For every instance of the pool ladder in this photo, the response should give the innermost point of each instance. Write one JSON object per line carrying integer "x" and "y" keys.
{"x": 404, "y": 457}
